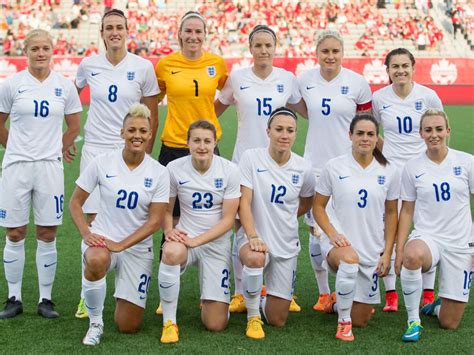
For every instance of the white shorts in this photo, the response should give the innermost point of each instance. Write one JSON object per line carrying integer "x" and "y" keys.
{"x": 89, "y": 152}
{"x": 455, "y": 272}
{"x": 133, "y": 271}
{"x": 213, "y": 261}
{"x": 279, "y": 274}
{"x": 37, "y": 183}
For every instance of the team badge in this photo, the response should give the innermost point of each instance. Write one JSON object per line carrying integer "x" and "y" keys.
{"x": 457, "y": 170}
{"x": 295, "y": 179}
{"x": 280, "y": 88}
{"x": 58, "y": 92}
{"x": 130, "y": 75}
{"x": 344, "y": 90}
{"x": 211, "y": 71}
{"x": 148, "y": 182}
{"x": 3, "y": 214}
{"x": 418, "y": 105}
{"x": 381, "y": 179}
{"x": 218, "y": 183}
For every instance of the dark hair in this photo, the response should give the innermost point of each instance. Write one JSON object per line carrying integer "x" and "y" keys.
{"x": 285, "y": 111}
{"x": 112, "y": 12}
{"x": 262, "y": 28}
{"x": 203, "y": 124}
{"x": 399, "y": 51}
{"x": 366, "y": 117}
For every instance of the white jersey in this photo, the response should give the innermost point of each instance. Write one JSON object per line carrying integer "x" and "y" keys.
{"x": 276, "y": 197}
{"x": 125, "y": 195}
{"x": 331, "y": 107}
{"x": 255, "y": 100}
{"x": 442, "y": 196}
{"x": 36, "y": 110}
{"x": 358, "y": 197}
{"x": 113, "y": 90}
{"x": 400, "y": 119}
{"x": 201, "y": 196}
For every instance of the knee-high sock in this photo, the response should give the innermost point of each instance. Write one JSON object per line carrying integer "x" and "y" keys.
{"x": 320, "y": 271}
{"x": 429, "y": 279}
{"x": 14, "y": 264}
{"x": 94, "y": 295}
{"x": 46, "y": 262}
{"x": 345, "y": 290}
{"x": 252, "y": 280}
{"x": 169, "y": 283}
{"x": 411, "y": 287}
{"x": 390, "y": 280}
{"x": 237, "y": 264}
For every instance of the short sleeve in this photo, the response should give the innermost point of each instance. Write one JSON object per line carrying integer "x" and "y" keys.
{"x": 150, "y": 84}
{"x": 89, "y": 178}
{"x": 309, "y": 183}
{"x": 6, "y": 98}
{"x": 233, "y": 186}
{"x": 393, "y": 192}
{"x": 365, "y": 94}
{"x": 162, "y": 192}
{"x": 81, "y": 78}
{"x": 160, "y": 76}
{"x": 295, "y": 95}
{"x": 435, "y": 101}
{"x": 226, "y": 96}
{"x": 408, "y": 188}
{"x": 173, "y": 182}
{"x": 376, "y": 108}
{"x": 245, "y": 167}
{"x": 73, "y": 103}
{"x": 470, "y": 172}
{"x": 324, "y": 185}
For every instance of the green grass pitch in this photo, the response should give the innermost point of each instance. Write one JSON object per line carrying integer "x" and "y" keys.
{"x": 305, "y": 332}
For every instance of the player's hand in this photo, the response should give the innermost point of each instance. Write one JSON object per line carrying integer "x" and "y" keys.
{"x": 190, "y": 242}
{"x": 113, "y": 247}
{"x": 257, "y": 244}
{"x": 383, "y": 266}
{"x": 175, "y": 235}
{"x": 340, "y": 240}
{"x": 398, "y": 261}
{"x": 95, "y": 240}
{"x": 70, "y": 153}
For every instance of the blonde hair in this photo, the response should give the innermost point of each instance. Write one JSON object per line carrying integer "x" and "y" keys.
{"x": 329, "y": 34}
{"x": 138, "y": 110}
{"x": 434, "y": 112}
{"x": 37, "y": 33}
{"x": 187, "y": 16}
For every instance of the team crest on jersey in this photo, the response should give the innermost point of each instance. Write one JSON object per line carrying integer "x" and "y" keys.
{"x": 418, "y": 105}
{"x": 3, "y": 214}
{"x": 211, "y": 71}
{"x": 148, "y": 182}
{"x": 457, "y": 170}
{"x": 295, "y": 179}
{"x": 130, "y": 75}
{"x": 344, "y": 90}
{"x": 218, "y": 183}
{"x": 58, "y": 92}
{"x": 381, "y": 179}
{"x": 280, "y": 88}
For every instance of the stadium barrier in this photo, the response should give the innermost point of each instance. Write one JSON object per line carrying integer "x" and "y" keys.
{"x": 451, "y": 78}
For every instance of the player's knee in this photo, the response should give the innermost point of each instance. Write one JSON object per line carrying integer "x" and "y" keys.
{"x": 412, "y": 258}
{"x": 276, "y": 320}
{"x": 173, "y": 253}
{"x": 16, "y": 234}
{"x": 216, "y": 325}
{"x": 129, "y": 327}
{"x": 255, "y": 260}
{"x": 96, "y": 265}
{"x": 350, "y": 257}
{"x": 46, "y": 234}
{"x": 449, "y": 324}
{"x": 360, "y": 322}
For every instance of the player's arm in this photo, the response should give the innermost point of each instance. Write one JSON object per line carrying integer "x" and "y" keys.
{"x": 73, "y": 123}
{"x": 404, "y": 225}
{"x": 299, "y": 107}
{"x": 246, "y": 219}
{"x": 305, "y": 205}
{"x": 322, "y": 219}
{"x": 153, "y": 223}
{"x": 390, "y": 232}
{"x": 172, "y": 234}
{"x": 152, "y": 103}
{"x": 229, "y": 211}
{"x": 219, "y": 107}
{"x": 3, "y": 129}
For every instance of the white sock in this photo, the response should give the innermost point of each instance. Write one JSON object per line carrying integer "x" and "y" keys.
{"x": 429, "y": 279}
{"x": 237, "y": 264}
{"x": 411, "y": 287}
{"x": 83, "y": 265}
{"x": 14, "y": 264}
{"x": 436, "y": 310}
{"x": 346, "y": 278}
{"x": 46, "y": 262}
{"x": 252, "y": 280}
{"x": 169, "y": 283}
{"x": 263, "y": 304}
{"x": 320, "y": 271}
{"x": 390, "y": 280}
{"x": 94, "y": 295}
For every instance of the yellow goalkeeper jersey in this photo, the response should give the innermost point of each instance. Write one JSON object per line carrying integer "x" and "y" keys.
{"x": 190, "y": 86}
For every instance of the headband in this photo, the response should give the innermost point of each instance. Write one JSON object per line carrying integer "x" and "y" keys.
{"x": 281, "y": 111}
{"x": 262, "y": 28}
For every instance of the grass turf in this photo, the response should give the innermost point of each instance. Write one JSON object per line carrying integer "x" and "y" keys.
{"x": 305, "y": 332}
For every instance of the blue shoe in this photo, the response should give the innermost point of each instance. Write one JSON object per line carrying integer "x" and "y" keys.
{"x": 413, "y": 332}
{"x": 428, "y": 309}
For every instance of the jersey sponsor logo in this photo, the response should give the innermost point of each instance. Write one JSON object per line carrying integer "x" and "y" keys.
{"x": 130, "y": 75}
{"x": 58, "y": 92}
{"x": 175, "y": 72}
{"x": 381, "y": 179}
{"x": 343, "y": 177}
{"x": 260, "y": 170}
{"x": 9, "y": 261}
{"x": 3, "y": 213}
{"x": 344, "y": 90}
{"x": 384, "y": 107}
{"x": 418, "y": 105}
{"x": 420, "y": 175}
{"x": 218, "y": 183}
{"x": 244, "y": 87}
{"x": 345, "y": 294}
{"x": 465, "y": 293}
{"x": 148, "y": 182}
{"x": 48, "y": 265}
{"x": 280, "y": 88}
{"x": 211, "y": 71}
{"x": 310, "y": 87}
{"x": 21, "y": 91}
{"x": 94, "y": 74}
{"x": 457, "y": 170}
{"x": 110, "y": 176}
{"x": 183, "y": 182}
{"x": 295, "y": 179}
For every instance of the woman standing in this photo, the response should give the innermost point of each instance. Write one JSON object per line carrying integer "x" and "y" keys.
{"x": 333, "y": 96}
{"x": 277, "y": 187}
{"x": 134, "y": 192}
{"x": 37, "y": 101}
{"x": 398, "y": 107}
{"x": 364, "y": 190}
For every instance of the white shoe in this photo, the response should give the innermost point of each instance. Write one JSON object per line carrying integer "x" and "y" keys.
{"x": 93, "y": 335}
